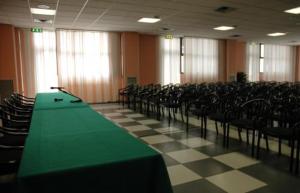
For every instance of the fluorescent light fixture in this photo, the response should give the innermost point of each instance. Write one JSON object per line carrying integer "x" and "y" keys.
{"x": 149, "y": 20}
{"x": 42, "y": 21}
{"x": 43, "y": 6}
{"x": 42, "y": 11}
{"x": 293, "y": 11}
{"x": 224, "y": 28}
{"x": 276, "y": 34}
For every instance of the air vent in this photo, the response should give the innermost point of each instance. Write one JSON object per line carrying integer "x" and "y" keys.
{"x": 43, "y": 21}
{"x": 225, "y": 9}
{"x": 236, "y": 36}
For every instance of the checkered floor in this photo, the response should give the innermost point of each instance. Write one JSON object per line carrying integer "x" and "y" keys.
{"x": 204, "y": 166}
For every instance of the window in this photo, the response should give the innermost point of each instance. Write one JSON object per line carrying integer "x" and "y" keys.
{"x": 170, "y": 60}
{"x": 261, "y": 57}
{"x": 45, "y": 68}
{"x": 201, "y": 60}
{"x": 181, "y": 56}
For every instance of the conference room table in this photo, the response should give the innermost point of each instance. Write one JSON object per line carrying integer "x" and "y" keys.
{"x": 71, "y": 148}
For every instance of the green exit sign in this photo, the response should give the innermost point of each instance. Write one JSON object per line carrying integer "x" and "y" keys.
{"x": 169, "y": 36}
{"x": 36, "y": 29}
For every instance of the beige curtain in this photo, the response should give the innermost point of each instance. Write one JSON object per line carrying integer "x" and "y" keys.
{"x": 201, "y": 60}
{"x": 88, "y": 64}
{"x": 169, "y": 60}
{"x": 279, "y": 63}
{"x": 25, "y": 58}
{"x": 252, "y": 61}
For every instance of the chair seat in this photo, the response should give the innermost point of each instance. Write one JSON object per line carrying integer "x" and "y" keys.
{"x": 12, "y": 140}
{"x": 281, "y": 132}
{"x": 199, "y": 112}
{"x": 244, "y": 123}
{"x": 220, "y": 117}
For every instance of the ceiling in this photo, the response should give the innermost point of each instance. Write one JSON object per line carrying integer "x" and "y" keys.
{"x": 253, "y": 18}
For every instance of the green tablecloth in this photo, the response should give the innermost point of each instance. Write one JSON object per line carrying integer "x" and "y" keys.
{"x": 46, "y": 101}
{"x": 77, "y": 150}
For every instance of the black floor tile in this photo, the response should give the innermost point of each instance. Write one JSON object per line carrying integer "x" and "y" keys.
{"x": 145, "y": 133}
{"x": 117, "y": 117}
{"x": 170, "y": 146}
{"x": 278, "y": 181}
{"x": 140, "y": 118}
{"x": 213, "y": 150}
{"x": 179, "y": 136}
{"x": 198, "y": 186}
{"x": 169, "y": 161}
{"x": 156, "y": 126}
{"x": 207, "y": 167}
{"x": 126, "y": 124}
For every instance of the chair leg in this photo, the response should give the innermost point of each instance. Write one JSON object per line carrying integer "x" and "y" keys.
{"x": 201, "y": 127}
{"x": 227, "y": 140}
{"x": 224, "y": 134}
{"x": 297, "y": 156}
{"x": 240, "y": 136}
{"x": 181, "y": 112}
{"x": 253, "y": 141}
{"x": 174, "y": 114}
{"x": 187, "y": 121}
{"x": 279, "y": 146}
{"x": 217, "y": 129}
{"x": 205, "y": 127}
{"x": 258, "y": 144}
{"x": 247, "y": 133}
{"x": 169, "y": 117}
{"x": 292, "y": 155}
{"x": 267, "y": 143}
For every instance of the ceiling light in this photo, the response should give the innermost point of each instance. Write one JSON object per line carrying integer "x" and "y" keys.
{"x": 224, "y": 28}
{"x": 293, "y": 11}
{"x": 149, "y": 20}
{"x": 276, "y": 34}
{"x": 43, "y": 6}
{"x": 43, "y": 11}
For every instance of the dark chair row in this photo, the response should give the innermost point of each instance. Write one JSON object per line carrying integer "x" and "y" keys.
{"x": 264, "y": 109}
{"x": 15, "y": 117}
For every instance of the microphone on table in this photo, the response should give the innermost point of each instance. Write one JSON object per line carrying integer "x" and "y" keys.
{"x": 60, "y": 88}
{"x": 57, "y": 100}
{"x": 57, "y": 87}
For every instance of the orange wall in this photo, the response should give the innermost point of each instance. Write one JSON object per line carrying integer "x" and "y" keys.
{"x": 130, "y": 43}
{"x": 8, "y": 54}
{"x": 139, "y": 57}
{"x": 148, "y": 59}
{"x": 235, "y": 57}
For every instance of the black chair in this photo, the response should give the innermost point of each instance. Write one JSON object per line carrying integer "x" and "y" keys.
{"x": 286, "y": 129}
{"x": 248, "y": 116}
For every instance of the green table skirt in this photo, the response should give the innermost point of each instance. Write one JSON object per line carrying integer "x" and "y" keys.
{"x": 77, "y": 150}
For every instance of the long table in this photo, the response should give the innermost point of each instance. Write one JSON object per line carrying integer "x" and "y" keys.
{"x": 71, "y": 148}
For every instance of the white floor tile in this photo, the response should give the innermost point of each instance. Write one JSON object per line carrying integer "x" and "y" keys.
{"x": 195, "y": 142}
{"x": 187, "y": 155}
{"x": 134, "y": 115}
{"x": 236, "y": 182}
{"x": 125, "y": 120}
{"x": 112, "y": 114}
{"x": 124, "y": 111}
{"x": 157, "y": 139}
{"x": 179, "y": 174}
{"x": 137, "y": 128}
{"x": 168, "y": 130}
{"x": 236, "y": 160}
